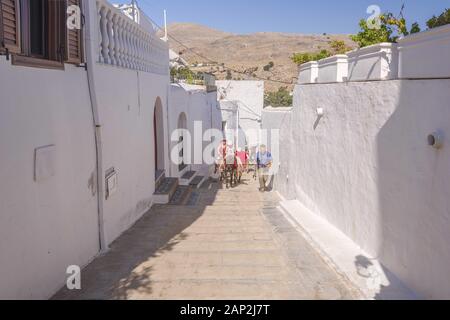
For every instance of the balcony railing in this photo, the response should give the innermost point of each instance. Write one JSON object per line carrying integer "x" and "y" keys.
{"x": 124, "y": 43}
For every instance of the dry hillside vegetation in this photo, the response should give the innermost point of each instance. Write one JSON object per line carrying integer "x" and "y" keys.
{"x": 252, "y": 54}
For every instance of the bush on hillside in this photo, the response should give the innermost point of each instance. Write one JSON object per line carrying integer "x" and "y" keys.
{"x": 304, "y": 57}
{"x": 269, "y": 66}
{"x": 337, "y": 47}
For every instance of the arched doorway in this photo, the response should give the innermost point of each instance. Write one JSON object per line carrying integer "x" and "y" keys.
{"x": 182, "y": 124}
{"x": 158, "y": 134}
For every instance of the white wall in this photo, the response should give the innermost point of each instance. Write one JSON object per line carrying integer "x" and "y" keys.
{"x": 276, "y": 125}
{"x": 249, "y": 96}
{"x": 230, "y": 120}
{"x": 127, "y": 101}
{"x": 48, "y": 225}
{"x": 366, "y": 167}
{"x": 198, "y": 105}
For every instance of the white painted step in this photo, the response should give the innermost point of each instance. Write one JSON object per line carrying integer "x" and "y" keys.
{"x": 198, "y": 181}
{"x": 187, "y": 178}
{"x": 165, "y": 191}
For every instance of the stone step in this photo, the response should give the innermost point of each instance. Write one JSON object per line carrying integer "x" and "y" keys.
{"x": 160, "y": 175}
{"x": 230, "y": 237}
{"x": 197, "y": 182}
{"x": 193, "y": 229}
{"x": 225, "y": 209}
{"x": 180, "y": 195}
{"x": 237, "y": 246}
{"x": 163, "y": 272}
{"x": 187, "y": 178}
{"x": 192, "y": 200}
{"x": 165, "y": 190}
{"x": 207, "y": 211}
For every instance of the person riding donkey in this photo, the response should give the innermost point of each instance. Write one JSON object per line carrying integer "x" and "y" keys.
{"x": 222, "y": 150}
{"x": 264, "y": 163}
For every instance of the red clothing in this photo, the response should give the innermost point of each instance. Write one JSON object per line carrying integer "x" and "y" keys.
{"x": 222, "y": 151}
{"x": 243, "y": 156}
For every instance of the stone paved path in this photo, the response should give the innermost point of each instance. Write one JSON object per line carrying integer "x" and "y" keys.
{"x": 234, "y": 244}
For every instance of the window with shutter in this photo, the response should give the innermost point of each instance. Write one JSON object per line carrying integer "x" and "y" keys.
{"x": 36, "y": 33}
{"x": 10, "y": 26}
{"x": 74, "y": 45}
{"x": 42, "y": 33}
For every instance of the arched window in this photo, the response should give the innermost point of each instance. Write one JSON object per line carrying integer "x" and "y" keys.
{"x": 158, "y": 127}
{"x": 182, "y": 124}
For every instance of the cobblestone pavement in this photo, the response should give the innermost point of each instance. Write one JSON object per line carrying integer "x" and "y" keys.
{"x": 233, "y": 244}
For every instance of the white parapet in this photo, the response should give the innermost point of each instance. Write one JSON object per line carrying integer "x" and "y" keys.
{"x": 127, "y": 44}
{"x": 425, "y": 55}
{"x": 333, "y": 69}
{"x": 309, "y": 72}
{"x": 376, "y": 62}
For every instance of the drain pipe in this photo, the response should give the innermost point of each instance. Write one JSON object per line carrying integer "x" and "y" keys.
{"x": 90, "y": 61}
{"x": 169, "y": 134}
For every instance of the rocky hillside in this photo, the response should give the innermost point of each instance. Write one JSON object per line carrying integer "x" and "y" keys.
{"x": 251, "y": 54}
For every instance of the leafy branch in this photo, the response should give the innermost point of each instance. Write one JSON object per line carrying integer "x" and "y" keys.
{"x": 391, "y": 28}
{"x": 337, "y": 47}
{"x": 442, "y": 20}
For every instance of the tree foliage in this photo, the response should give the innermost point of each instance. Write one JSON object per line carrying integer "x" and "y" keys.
{"x": 304, "y": 57}
{"x": 280, "y": 98}
{"x": 442, "y": 20}
{"x": 184, "y": 73}
{"x": 368, "y": 36}
{"x": 390, "y": 29}
{"x": 337, "y": 47}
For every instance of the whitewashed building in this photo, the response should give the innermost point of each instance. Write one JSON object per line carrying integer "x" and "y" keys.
{"x": 242, "y": 103}
{"x": 84, "y": 134}
{"x": 364, "y": 164}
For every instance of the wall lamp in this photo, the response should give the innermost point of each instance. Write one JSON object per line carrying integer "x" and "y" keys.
{"x": 436, "y": 140}
{"x": 320, "y": 112}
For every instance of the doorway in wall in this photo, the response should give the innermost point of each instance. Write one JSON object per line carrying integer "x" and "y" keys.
{"x": 182, "y": 124}
{"x": 158, "y": 134}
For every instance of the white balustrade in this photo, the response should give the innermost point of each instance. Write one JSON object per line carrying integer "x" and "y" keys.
{"x": 115, "y": 21}
{"x": 333, "y": 69}
{"x": 100, "y": 56}
{"x": 376, "y": 62}
{"x": 309, "y": 72}
{"x": 104, "y": 36}
{"x": 111, "y": 44}
{"x": 425, "y": 55}
{"x": 124, "y": 43}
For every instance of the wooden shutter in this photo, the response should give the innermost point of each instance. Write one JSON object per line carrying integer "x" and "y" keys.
{"x": 74, "y": 40}
{"x": 10, "y": 25}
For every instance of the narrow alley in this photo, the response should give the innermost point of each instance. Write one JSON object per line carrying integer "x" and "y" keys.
{"x": 225, "y": 244}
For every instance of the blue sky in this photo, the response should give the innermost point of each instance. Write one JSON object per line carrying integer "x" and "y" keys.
{"x": 298, "y": 16}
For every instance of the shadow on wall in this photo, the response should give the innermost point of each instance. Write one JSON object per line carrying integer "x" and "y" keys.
{"x": 380, "y": 280}
{"x": 414, "y": 188}
{"x": 127, "y": 270}
{"x": 282, "y": 152}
